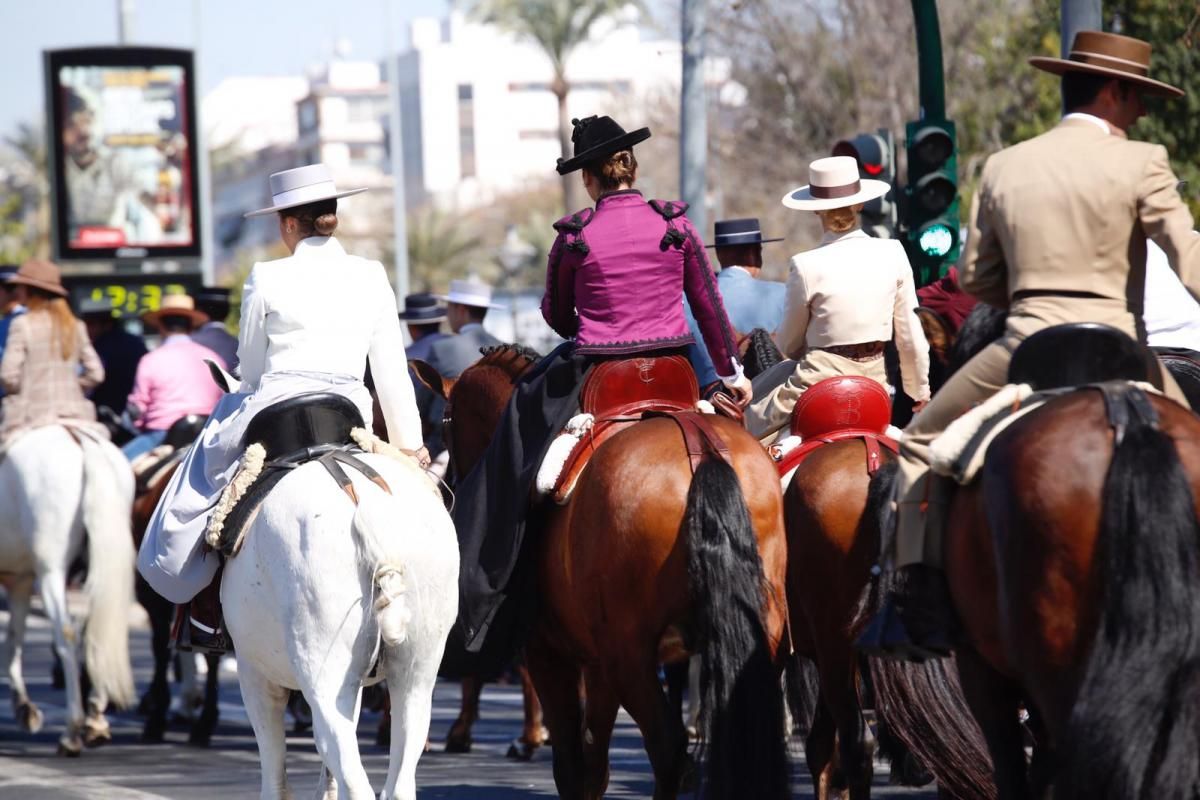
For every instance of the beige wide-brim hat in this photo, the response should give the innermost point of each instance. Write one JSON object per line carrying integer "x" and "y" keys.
{"x": 1112, "y": 55}
{"x": 470, "y": 292}
{"x": 301, "y": 186}
{"x": 175, "y": 305}
{"x": 40, "y": 275}
{"x": 833, "y": 182}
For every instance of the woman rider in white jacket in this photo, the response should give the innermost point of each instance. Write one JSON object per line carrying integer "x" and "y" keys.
{"x": 308, "y": 324}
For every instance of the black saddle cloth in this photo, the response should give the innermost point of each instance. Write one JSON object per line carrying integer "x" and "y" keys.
{"x": 1184, "y": 366}
{"x": 293, "y": 432}
{"x": 1082, "y": 353}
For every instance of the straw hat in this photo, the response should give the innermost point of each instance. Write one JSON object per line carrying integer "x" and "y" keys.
{"x": 833, "y": 183}
{"x": 301, "y": 186}
{"x": 1112, "y": 55}
{"x": 40, "y": 275}
{"x": 471, "y": 292}
{"x": 175, "y": 305}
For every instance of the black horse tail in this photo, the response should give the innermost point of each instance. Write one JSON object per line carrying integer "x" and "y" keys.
{"x": 922, "y": 705}
{"x": 1134, "y": 731}
{"x": 741, "y": 703}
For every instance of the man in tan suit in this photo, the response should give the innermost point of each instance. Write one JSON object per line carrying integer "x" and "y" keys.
{"x": 1058, "y": 234}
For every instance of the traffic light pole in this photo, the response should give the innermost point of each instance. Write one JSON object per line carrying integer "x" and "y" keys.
{"x": 931, "y": 80}
{"x": 1078, "y": 15}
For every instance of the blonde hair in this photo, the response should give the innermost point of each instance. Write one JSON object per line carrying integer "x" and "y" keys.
{"x": 618, "y": 169}
{"x": 840, "y": 220}
{"x": 64, "y": 329}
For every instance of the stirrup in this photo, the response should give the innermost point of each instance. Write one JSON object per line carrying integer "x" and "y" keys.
{"x": 193, "y": 636}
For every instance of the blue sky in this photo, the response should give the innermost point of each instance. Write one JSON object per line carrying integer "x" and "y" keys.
{"x": 233, "y": 37}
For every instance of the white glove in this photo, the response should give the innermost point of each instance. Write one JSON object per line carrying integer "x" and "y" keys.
{"x": 740, "y": 389}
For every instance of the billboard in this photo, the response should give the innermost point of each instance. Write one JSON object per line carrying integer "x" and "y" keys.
{"x": 122, "y": 139}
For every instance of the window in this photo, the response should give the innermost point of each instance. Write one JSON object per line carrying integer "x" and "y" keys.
{"x": 308, "y": 116}
{"x": 466, "y": 129}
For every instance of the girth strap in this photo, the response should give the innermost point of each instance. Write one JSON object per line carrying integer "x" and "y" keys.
{"x": 699, "y": 436}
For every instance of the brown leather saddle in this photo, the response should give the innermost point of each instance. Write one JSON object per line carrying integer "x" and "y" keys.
{"x": 621, "y": 393}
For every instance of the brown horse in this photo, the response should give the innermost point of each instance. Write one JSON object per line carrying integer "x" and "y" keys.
{"x": 831, "y": 509}
{"x": 645, "y": 564}
{"x": 157, "y": 701}
{"x": 1073, "y": 564}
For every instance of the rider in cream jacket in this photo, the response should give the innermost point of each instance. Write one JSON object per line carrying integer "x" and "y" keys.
{"x": 309, "y": 323}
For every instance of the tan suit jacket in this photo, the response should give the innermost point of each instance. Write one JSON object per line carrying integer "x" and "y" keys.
{"x": 1071, "y": 210}
{"x": 42, "y": 387}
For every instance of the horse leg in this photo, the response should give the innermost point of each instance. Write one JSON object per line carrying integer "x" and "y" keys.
{"x": 818, "y": 751}
{"x": 202, "y": 728}
{"x": 458, "y": 740}
{"x": 600, "y": 715}
{"x": 410, "y": 680}
{"x": 264, "y": 703}
{"x": 335, "y": 729}
{"x": 533, "y": 735}
{"x": 156, "y": 703}
{"x": 662, "y": 731}
{"x": 66, "y": 638}
{"x": 995, "y": 702}
{"x": 20, "y": 590}
{"x": 839, "y": 694}
{"x": 558, "y": 683}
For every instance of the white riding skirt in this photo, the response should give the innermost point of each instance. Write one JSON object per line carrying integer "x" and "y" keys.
{"x": 172, "y": 558}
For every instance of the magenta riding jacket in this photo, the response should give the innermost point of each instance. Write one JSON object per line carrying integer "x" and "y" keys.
{"x": 617, "y": 276}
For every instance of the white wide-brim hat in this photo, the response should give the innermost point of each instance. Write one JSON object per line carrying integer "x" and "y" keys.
{"x": 834, "y": 183}
{"x": 470, "y": 293}
{"x": 301, "y": 186}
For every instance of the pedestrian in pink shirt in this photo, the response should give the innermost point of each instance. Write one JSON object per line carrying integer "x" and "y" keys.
{"x": 172, "y": 380}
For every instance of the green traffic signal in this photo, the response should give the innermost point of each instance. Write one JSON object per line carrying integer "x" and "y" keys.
{"x": 931, "y": 194}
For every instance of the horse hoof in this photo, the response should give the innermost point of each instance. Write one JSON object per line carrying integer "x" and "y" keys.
{"x": 70, "y": 747}
{"x": 29, "y": 717}
{"x": 96, "y": 731}
{"x": 521, "y": 750}
{"x": 455, "y": 744}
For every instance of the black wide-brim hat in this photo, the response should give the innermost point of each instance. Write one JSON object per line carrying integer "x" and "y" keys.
{"x": 423, "y": 308}
{"x": 597, "y": 137}
{"x": 737, "y": 232}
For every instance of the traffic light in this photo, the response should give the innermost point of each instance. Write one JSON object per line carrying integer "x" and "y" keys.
{"x": 931, "y": 194}
{"x": 876, "y": 157}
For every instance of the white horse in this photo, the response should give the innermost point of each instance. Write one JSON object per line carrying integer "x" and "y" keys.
{"x": 321, "y": 588}
{"x": 52, "y": 490}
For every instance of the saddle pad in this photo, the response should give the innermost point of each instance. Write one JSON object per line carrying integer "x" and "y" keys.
{"x": 150, "y": 468}
{"x": 959, "y": 452}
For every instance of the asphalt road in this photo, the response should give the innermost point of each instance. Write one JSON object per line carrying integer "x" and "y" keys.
{"x": 126, "y": 769}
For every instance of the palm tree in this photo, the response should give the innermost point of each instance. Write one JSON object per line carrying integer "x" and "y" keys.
{"x": 440, "y": 247}
{"x": 557, "y": 27}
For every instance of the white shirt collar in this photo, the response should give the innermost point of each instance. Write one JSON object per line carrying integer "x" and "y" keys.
{"x": 1099, "y": 123}
{"x": 320, "y": 245}
{"x": 830, "y": 238}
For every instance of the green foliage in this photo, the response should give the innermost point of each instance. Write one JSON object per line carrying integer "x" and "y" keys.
{"x": 441, "y": 246}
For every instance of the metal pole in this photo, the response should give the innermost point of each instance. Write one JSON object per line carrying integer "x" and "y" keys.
{"x": 931, "y": 80}
{"x": 396, "y": 145}
{"x": 1078, "y": 15}
{"x": 124, "y": 21}
{"x": 203, "y": 163}
{"x": 693, "y": 116}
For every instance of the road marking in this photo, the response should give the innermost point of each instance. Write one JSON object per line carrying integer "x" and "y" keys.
{"x": 16, "y": 773}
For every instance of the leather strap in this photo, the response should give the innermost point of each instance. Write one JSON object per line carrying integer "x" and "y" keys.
{"x": 332, "y": 463}
{"x": 699, "y": 436}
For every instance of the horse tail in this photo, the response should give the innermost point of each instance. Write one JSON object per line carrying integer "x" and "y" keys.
{"x": 107, "y": 517}
{"x": 803, "y": 692}
{"x": 1134, "y": 730}
{"x": 923, "y": 704}
{"x": 741, "y": 704}
{"x": 375, "y": 521}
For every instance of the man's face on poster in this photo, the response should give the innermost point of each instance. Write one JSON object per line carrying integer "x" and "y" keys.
{"x": 77, "y": 137}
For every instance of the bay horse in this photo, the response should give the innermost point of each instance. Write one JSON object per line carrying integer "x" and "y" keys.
{"x": 832, "y": 509}
{"x": 57, "y": 488}
{"x": 156, "y": 703}
{"x": 1073, "y": 565}
{"x": 645, "y": 564}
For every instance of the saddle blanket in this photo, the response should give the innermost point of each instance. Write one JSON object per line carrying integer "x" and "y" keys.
{"x": 960, "y": 451}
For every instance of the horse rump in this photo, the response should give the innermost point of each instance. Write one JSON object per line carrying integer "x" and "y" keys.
{"x": 741, "y": 710}
{"x": 1134, "y": 730}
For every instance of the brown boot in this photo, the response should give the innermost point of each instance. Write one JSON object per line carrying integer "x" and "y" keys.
{"x": 200, "y": 628}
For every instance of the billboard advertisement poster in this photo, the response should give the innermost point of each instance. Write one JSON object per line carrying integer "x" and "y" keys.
{"x": 122, "y": 146}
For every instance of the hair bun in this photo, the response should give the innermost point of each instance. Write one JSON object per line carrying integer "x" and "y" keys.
{"x": 325, "y": 224}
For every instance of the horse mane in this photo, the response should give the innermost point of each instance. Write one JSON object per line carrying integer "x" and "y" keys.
{"x": 495, "y": 353}
{"x": 984, "y": 325}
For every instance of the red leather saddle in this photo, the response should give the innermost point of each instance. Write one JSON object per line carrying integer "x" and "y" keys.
{"x": 618, "y": 393}
{"x": 849, "y": 407}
